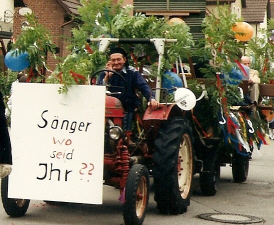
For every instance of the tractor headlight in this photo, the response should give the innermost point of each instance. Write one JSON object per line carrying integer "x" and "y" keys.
{"x": 115, "y": 133}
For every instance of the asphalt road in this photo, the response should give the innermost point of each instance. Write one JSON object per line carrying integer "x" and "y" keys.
{"x": 255, "y": 197}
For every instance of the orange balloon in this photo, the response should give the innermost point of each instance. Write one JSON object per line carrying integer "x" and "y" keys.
{"x": 175, "y": 20}
{"x": 244, "y": 28}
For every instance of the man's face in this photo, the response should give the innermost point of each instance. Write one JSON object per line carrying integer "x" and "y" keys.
{"x": 118, "y": 61}
{"x": 246, "y": 62}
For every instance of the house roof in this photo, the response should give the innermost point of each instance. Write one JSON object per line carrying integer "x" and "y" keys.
{"x": 214, "y": 2}
{"x": 70, "y": 5}
{"x": 255, "y": 10}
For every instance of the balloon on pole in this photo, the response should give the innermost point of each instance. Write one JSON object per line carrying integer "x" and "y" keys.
{"x": 17, "y": 62}
{"x": 171, "y": 81}
{"x": 175, "y": 20}
{"x": 245, "y": 29}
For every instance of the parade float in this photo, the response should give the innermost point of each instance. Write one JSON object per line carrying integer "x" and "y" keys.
{"x": 77, "y": 142}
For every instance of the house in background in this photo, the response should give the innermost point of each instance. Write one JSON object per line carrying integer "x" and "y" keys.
{"x": 191, "y": 12}
{"x": 7, "y": 15}
{"x": 6, "y": 27}
{"x": 272, "y": 8}
{"x": 56, "y": 15}
{"x": 256, "y": 13}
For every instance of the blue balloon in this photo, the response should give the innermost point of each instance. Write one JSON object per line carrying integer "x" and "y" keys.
{"x": 17, "y": 63}
{"x": 234, "y": 77}
{"x": 171, "y": 80}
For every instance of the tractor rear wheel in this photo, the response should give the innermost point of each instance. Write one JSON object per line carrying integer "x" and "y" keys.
{"x": 136, "y": 195}
{"x": 173, "y": 166}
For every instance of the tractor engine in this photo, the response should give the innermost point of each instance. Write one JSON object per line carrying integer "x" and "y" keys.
{"x": 113, "y": 123}
{"x": 115, "y": 166}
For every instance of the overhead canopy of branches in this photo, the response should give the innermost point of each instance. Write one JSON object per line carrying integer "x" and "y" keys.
{"x": 104, "y": 19}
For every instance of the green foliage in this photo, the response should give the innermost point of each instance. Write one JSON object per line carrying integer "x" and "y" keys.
{"x": 77, "y": 68}
{"x": 142, "y": 26}
{"x": 220, "y": 46}
{"x": 104, "y": 19}
{"x": 36, "y": 41}
{"x": 101, "y": 11}
{"x": 219, "y": 49}
{"x": 261, "y": 49}
{"x": 6, "y": 81}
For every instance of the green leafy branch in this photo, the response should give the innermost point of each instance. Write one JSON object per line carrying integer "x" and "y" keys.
{"x": 261, "y": 49}
{"x": 36, "y": 41}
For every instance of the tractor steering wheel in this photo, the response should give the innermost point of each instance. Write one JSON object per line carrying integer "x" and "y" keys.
{"x": 109, "y": 85}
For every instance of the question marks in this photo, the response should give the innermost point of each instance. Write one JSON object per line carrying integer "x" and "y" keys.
{"x": 86, "y": 169}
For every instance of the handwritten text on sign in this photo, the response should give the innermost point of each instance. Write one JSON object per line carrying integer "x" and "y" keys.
{"x": 57, "y": 143}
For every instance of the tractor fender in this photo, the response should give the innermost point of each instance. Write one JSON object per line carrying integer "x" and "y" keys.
{"x": 162, "y": 113}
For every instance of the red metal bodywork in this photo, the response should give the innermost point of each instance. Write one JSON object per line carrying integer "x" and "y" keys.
{"x": 117, "y": 163}
{"x": 114, "y": 110}
{"x": 162, "y": 113}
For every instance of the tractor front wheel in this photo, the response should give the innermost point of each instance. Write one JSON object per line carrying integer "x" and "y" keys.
{"x": 136, "y": 195}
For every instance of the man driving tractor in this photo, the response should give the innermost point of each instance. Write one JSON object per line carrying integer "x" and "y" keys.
{"x": 131, "y": 80}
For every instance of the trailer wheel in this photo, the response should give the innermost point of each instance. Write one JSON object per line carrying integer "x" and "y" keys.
{"x": 137, "y": 195}
{"x": 173, "y": 166}
{"x": 13, "y": 207}
{"x": 210, "y": 179}
{"x": 240, "y": 167}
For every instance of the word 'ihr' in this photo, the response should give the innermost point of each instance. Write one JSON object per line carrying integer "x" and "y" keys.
{"x": 51, "y": 170}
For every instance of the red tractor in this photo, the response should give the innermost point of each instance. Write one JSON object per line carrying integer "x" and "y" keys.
{"x": 164, "y": 150}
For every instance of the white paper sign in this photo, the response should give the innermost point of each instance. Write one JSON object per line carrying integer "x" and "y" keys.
{"x": 57, "y": 143}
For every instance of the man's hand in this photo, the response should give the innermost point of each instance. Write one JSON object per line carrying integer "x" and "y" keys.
{"x": 109, "y": 65}
{"x": 154, "y": 104}
{"x": 108, "y": 74}
{"x": 5, "y": 170}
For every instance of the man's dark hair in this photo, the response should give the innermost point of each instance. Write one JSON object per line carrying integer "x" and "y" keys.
{"x": 121, "y": 51}
{"x": 118, "y": 50}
